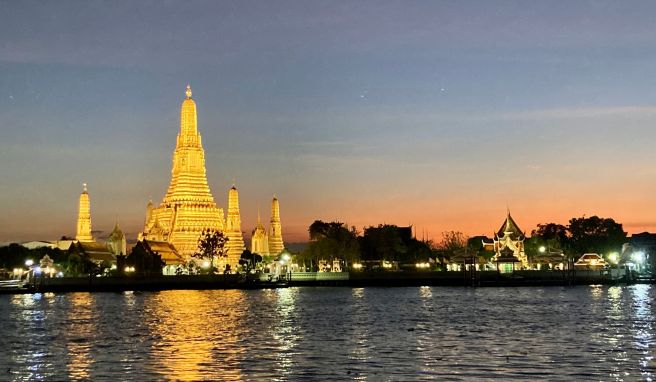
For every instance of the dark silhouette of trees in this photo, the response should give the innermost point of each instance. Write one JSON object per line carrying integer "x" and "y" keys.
{"x": 249, "y": 260}
{"x": 211, "y": 244}
{"x": 595, "y": 234}
{"x": 582, "y": 235}
{"x": 393, "y": 243}
{"x": 329, "y": 241}
{"x": 385, "y": 242}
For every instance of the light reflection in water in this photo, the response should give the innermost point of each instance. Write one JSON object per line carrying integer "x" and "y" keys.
{"x": 284, "y": 332}
{"x": 198, "y": 331}
{"x": 359, "y": 352}
{"x": 577, "y": 333}
{"x": 643, "y": 327}
{"x": 81, "y": 317}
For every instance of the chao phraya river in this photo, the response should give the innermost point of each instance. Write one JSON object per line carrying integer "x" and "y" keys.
{"x": 375, "y": 334}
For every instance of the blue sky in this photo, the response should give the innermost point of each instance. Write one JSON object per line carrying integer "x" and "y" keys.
{"x": 437, "y": 114}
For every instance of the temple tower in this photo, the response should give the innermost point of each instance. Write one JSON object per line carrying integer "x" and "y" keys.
{"x": 276, "y": 244}
{"x": 259, "y": 238}
{"x": 188, "y": 207}
{"x": 116, "y": 242}
{"x": 233, "y": 232}
{"x": 84, "y": 217}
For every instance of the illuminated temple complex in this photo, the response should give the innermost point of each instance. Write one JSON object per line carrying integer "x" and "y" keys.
{"x": 188, "y": 207}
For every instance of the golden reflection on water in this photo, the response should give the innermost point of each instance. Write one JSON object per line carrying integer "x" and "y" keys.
{"x": 425, "y": 292}
{"x": 596, "y": 291}
{"x": 80, "y": 332}
{"x": 195, "y": 327}
{"x": 284, "y": 332}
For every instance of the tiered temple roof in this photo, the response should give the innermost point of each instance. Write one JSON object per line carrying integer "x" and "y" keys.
{"x": 188, "y": 207}
{"x": 84, "y": 217}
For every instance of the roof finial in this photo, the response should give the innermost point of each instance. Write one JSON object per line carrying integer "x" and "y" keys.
{"x": 84, "y": 187}
{"x": 258, "y": 215}
{"x": 188, "y": 91}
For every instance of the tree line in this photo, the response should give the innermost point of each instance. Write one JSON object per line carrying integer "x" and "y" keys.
{"x": 336, "y": 240}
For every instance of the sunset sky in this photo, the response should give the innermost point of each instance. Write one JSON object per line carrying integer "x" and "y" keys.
{"x": 435, "y": 114}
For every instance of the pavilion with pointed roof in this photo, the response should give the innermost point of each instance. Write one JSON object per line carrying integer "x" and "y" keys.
{"x": 508, "y": 246}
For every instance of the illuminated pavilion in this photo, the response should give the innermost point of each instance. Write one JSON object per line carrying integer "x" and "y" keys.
{"x": 508, "y": 246}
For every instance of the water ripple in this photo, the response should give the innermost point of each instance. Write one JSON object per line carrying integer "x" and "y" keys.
{"x": 360, "y": 334}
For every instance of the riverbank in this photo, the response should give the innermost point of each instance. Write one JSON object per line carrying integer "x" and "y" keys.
{"x": 346, "y": 279}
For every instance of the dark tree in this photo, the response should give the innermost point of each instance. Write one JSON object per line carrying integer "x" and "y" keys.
{"x": 553, "y": 235}
{"x": 388, "y": 242}
{"x": 249, "y": 260}
{"x": 595, "y": 234}
{"x": 329, "y": 241}
{"x": 211, "y": 244}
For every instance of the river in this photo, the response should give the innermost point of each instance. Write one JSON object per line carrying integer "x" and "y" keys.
{"x": 332, "y": 333}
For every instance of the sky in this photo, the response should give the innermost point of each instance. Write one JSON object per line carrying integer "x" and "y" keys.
{"x": 438, "y": 114}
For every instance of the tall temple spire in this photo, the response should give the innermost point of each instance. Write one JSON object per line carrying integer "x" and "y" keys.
{"x": 235, "y": 245}
{"x": 259, "y": 238}
{"x": 116, "y": 241}
{"x": 188, "y": 207}
{"x": 84, "y": 217}
{"x": 276, "y": 244}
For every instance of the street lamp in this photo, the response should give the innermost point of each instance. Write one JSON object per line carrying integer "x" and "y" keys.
{"x": 29, "y": 262}
{"x": 542, "y": 249}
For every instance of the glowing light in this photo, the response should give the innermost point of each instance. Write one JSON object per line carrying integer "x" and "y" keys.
{"x": 29, "y": 262}
{"x": 206, "y": 264}
{"x": 286, "y": 257}
{"x": 613, "y": 257}
{"x": 37, "y": 270}
{"x": 542, "y": 249}
{"x": 638, "y": 257}
{"x": 357, "y": 266}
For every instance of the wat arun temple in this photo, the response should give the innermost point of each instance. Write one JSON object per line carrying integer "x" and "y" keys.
{"x": 188, "y": 208}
